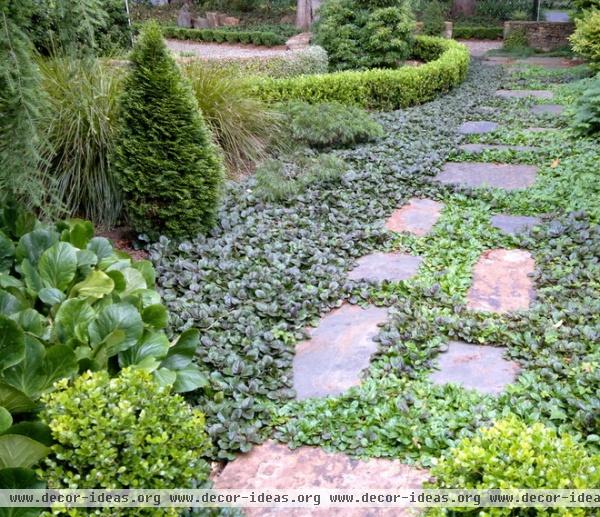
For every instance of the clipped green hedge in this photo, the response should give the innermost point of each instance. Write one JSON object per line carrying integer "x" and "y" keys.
{"x": 267, "y": 39}
{"x": 477, "y": 32}
{"x": 446, "y": 66}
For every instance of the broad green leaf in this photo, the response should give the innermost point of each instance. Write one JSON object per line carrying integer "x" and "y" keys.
{"x": 97, "y": 285}
{"x": 134, "y": 280}
{"x": 164, "y": 377}
{"x": 146, "y": 268}
{"x": 7, "y": 253}
{"x": 143, "y": 298}
{"x": 156, "y": 316}
{"x": 9, "y": 304}
{"x": 119, "y": 279}
{"x": 72, "y": 320}
{"x": 153, "y": 345}
{"x": 14, "y": 400}
{"x": 181, "y": 354}
{"x": 35, "y": 430}
{"x": 32, "y": 277}
{"x": 80, "y": 233}
{"x": 18, "y": 451}
{"x": 101, "y": 247}
{"x": 31, "y": 321}
{"x": 51, "y": 296}
{"x": 19, "y": 478}
{"x": 58, "y": 265}
{"x": 32, "y": 245}
{"x": 189, "y": 379}
{"x": 12, "y": 344}
{"x": 5, "y": 419}
{"x": 86, "y": 258}
{"x": 118, "y": 327}
{"x": 10, "y": 281}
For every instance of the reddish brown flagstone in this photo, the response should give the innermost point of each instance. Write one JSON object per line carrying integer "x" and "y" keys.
{"x": 479, "y": 367}
{"x": 273, "y": 466}
{"x": 499, "y": 175}
{"x": 417, "y": 217}
{"x": 378, "y": 267}
{"x": 340, "y": 348}
{"x": 501, "y": 281}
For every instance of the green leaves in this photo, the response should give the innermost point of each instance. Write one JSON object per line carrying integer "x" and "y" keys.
{"x": 117, "y": 328}
{"x": 58, "y": 265}
{"x": 7, "y": 252}
{"x": 96, "y": 285}
{"x": 18, "y": 451}
{"x": 5, "y": 419}
{"x": 12, "y": 343}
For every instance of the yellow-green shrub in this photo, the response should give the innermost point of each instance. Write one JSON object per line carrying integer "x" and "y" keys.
{"x": 586, "y": 38}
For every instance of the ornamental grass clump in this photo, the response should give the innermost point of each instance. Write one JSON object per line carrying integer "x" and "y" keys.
{"x": 168, "y": 166}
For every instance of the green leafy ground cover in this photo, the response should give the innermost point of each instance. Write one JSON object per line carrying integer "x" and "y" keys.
{"x": 270, "y": 269}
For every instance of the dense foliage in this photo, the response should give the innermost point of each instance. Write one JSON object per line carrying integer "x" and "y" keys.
{"x": 587, "y": 116}
{"x": 586, "y": 38}
{"x": 358, "y": 34}
{"x": 268, "y": 39}
{"x": 433, "y": 18}
{"x": 169, "y": 169}
{"x": 150, "y": 438}
{"x": 379, "y": 88}
{"x": 328, "y": 125}
{"x": 476, "y": 32}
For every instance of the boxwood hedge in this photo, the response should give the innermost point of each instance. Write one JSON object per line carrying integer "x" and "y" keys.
{"x": 446, "y": 66}
{"x": 268, "y": 39}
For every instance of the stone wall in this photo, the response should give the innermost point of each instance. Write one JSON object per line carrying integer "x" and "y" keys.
{"x": 544, "y": 36}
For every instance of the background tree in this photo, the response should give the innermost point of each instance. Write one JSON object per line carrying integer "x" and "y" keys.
{"x": 306, "y": 13}
{"x": 463, "y": 7}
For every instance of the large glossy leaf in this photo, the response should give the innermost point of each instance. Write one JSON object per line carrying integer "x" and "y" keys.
{"x": 32, "y": 245}
{"x": 118, "y": 327}
{"x": 31, "y": 321}
{"x": 101, "y": 247}
{"x": 189, "y": 379}
{"x": 80, "y": 233}
{"x": 156, "y": 316}
{"x": 17, "y": 451}
{"x": 5, "y": 419}
{"x": 19, "y": 478}
{"x": 96, "y": 285}
{"x": 14, "y": 400}
{"x": 72, "y": 320}
{"x": 12, "y": 343}
{"x": 181, "y": 354}
{"x": 32, "y": 277}
{"x": 7, "y": 280}
{"x": 146, "y": 268}
{"x": 9, "y": 304}
{"x": 51, "y": 296}
{"x": 147, "y": 353}
{"x": 7, "y": 253}
{"x": 164, "y": 376}
{"x": 35, "y": 430}
{"x": 134, "y": 280}
{"x": 58, "y": 265}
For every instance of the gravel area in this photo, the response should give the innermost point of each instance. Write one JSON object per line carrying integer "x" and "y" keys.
{"x": 478, "y": 48}
{"x": 224, "y": 50}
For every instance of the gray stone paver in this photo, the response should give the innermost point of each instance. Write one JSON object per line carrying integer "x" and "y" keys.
{"x": 548, "y": 109}
{"x": 477, "y": 127}
{"x": 524, "y": 94}
{"x": 480, "y": 148}
{"x": 392, "y": 267}
{"x": 476, "y": 174}
{"x": 514, "y": 224}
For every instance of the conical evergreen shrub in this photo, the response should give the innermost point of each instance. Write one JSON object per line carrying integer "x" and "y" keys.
{"x": 168, "y": 166}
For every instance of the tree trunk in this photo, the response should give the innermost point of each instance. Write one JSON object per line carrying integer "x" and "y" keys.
{"x": 306, "y": 13}
{"x": 463, "y": 7}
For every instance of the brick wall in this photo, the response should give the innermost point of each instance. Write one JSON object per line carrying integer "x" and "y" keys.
{"x": 543, "y": 36}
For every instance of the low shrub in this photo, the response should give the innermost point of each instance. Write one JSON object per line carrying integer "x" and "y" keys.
{"x": 500, "y": 10}
{"x": 586, "y": 38}
{"x": 476, "y": 32}
{"x": 168, "y": 166}
{"x": 433, "y": 18}
{"x": 514, "y": 454}
{"x": 329, "y": 125}
{"x": 242, "y": 124}
{"x": 516, "y": 40}
{"x": 268, "y": 39}
{"x": 378, "y": 89}
{"x": 587, "y": 115}
{"x": 124, "y": 432}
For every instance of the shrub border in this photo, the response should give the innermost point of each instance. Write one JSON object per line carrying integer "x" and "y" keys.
{"x": 446, "y": 66}
{"x": 477, "y": 32}
{"x": 267, "y": 39}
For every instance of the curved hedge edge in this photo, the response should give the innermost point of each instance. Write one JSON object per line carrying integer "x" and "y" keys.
{"x": 267, "y": 39}
{"x": 378, "y": 89}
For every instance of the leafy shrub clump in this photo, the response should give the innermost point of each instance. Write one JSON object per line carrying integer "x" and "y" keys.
{"x": 268, "y": 39}
{"x": 476, "y": 32}
{"x": 500, "y": 11}
{"x": 358, "y": 34}
{"x": 124, "y": 432}
{"x": 433, "y": 18}
{"x": 587, "y": 115}
{"x": 512, "y": 454}
{"x": 516, "y": 40}
{"x": 586, "y": 38}
{"x": 329, "y": 125}
{"x": 168, "y": 166}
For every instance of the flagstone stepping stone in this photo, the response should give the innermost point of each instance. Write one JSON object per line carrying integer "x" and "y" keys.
{"x": 338, "y": 350}
{"x": 477, "y": 127}
{"x": 479, "y": 367}
{"x": 548, "y": 109}
{"x": 523, "y": 94}
{"x": 417, "y": 217}
{"x": 549, "y": 62}
{"x": 480, "y": 148}
{"x": 273, "y": 466}
{"x": 501, "y": 281}
{"x": 474, "y": 174}
{"x": 392, "y": 267}
{"x": 514, "y": 224}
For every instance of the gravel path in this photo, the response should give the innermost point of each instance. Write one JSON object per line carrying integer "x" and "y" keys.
{"x": 478, "y": 48}
{"x": 224, "y": 50}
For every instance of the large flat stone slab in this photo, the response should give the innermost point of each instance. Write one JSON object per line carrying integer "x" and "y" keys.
{"x": 417, "y": 217}
{"x": 523, "y": 94}
{"x": 474, "y": 174}
{"x": 392, "y": 267}
{"x": 548, "y": 109}
{"x": 338, "y": 350}
{"x": 477, "y": 127}
{"x": 501, "y": 281}
{"x": 478, "y": 367}
{"x": 514, "y": 224}
{"x": 549, "y": 62}
{"x": 480, "y": 148}
{"x": 273, "y": 466}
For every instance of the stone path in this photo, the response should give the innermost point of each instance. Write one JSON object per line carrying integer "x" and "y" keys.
{"x": 477, "y": 127}
{"x": 417, "y": 217}
{"x": 339, "y": 349}
{"x": 392, "y": 267}
{"x": 480, "y": 148}
{"x": 548, "y": 109}
{"x": 498, "y": 175}
{"x": 224, "y": 50}
{"x": 502, "y": 282}
{"x": 546, "y": 62}
{"x": 514, "y": 224}
{"x": 523, "y": 94}
{"x": 478, "y": 367}
{"x": 273, "y": 466}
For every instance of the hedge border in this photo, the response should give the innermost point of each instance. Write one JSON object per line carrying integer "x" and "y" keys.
{"x": 446, "y": 66}
{"x": 267, "y": 39}
{"x": 477, "y": 32}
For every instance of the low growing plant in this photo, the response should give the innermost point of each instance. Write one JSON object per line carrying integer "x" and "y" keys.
{"x": 586, "y": 121}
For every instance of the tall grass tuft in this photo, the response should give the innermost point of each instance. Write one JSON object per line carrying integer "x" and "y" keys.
{"x": 80, "y": 126}
{"x": 243, "y": 126}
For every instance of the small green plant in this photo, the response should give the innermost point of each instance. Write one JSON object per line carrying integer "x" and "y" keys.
{"x": 587, "y": 115}
{"x": 519, "y": 15}
{"x": 586, "y": 38}
{"x": 433, "y": 18}
{"x": 329, "y": 125}
{"x": 516, "y": 40}
{"x": 169, "y": 168}
{"x": 149, "y": 438}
